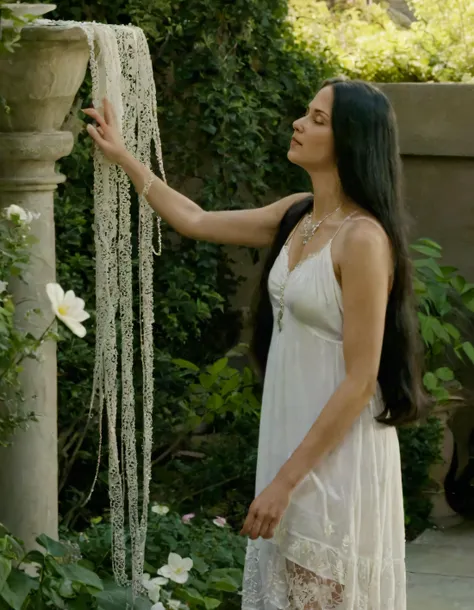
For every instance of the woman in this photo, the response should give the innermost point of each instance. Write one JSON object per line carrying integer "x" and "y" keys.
{"x": 337, "y": 339}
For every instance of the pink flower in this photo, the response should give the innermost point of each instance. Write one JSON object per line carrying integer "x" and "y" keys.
{"x": 187, "y": 518}
{"x": 220, "y": 521}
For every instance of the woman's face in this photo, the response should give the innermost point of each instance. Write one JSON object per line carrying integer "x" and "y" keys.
{"x": 312, "y": 146}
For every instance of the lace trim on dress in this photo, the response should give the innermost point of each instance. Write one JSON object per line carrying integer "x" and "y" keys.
{"x": 292, "y": 573}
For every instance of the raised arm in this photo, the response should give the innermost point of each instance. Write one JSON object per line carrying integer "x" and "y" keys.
{"x": 255, "y": 228}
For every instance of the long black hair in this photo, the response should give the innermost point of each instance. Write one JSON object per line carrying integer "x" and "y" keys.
{"x": 369, "y": 167}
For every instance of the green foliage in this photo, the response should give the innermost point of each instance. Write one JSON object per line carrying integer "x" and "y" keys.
{"x": 10, "y": 37}
{"x": 15, "y": 345}
{"x": 445, "y": 299}
{"x": 420, "y": 447}
{"x": 366, "y": 42}
{"x": 218, "y": 556}
{"x": 57, "y": 578}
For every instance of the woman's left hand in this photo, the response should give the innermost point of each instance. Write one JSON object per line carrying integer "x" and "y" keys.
{"x": 266, "y": 510}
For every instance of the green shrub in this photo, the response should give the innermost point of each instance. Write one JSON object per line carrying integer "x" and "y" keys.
{"x": 366, "y": 43}
{"x": 217, "y": 552}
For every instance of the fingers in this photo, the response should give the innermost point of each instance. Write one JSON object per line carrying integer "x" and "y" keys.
{"x": 109, "y": 112}
{"x": 98, "y": 118}
{"x": 268, "y": 528}
{"x": 95, "y": 135}
{"x": 253, "y": 524}
{"x": 255, "y": 530}
{"x": 247, "y": 526}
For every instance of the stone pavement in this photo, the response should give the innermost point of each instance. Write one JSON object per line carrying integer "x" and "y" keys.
{"x": 440, "y": 569}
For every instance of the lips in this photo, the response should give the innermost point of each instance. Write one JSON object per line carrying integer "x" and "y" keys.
{"x": 294, "y": 140}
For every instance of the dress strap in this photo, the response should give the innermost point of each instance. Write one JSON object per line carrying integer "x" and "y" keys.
{"x": 341, "y": 225}
{"x": 374, "y": 222}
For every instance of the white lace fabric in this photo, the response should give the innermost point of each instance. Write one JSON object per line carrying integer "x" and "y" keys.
{"x": 122, "y": 71}
{"x": 341, "y": 543}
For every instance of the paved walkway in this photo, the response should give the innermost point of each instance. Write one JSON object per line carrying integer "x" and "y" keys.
{"x": 440, "y": 566}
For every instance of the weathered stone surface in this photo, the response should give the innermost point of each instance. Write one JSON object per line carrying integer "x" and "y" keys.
{"x": 39, "y": 82}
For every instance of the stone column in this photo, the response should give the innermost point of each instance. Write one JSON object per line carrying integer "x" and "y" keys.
{"x": 39, "y": 82}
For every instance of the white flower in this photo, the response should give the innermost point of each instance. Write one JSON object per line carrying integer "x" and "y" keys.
{"x": 174, "y": 604}
{"x": 3, "y": 286}
{"x": 154, "y": 594}
{"x": 23, "y": 215}
{"x": 150, "y": 583}
{"x": 160, "y": 509}
{"x": 158, "y": 606}
{"x": 220, "y": 521}
{"x": 153, "y": 586}
{"x": 68, "y": 308}
{"x": 177, "y": 568}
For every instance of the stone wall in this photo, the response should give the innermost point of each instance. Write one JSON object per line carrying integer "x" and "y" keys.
{"x": 437, "y": 146}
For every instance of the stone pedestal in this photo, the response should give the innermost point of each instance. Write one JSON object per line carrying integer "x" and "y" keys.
{"x": 39, "y": 82}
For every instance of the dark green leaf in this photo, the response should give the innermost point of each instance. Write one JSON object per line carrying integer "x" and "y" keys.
{"x": 211, "y": 603}
{"x": 430, "y": 381}
{"x": 83, "y": 576}
{"x": 469, "y": 350}
{"x": 185, "y": 364}
{"x": 445, "y": 374}
{"x": 53, "y": 547}
{"x": 429, "y": 263}
{"x": 218, "y": 366}
{"x": 17, "y": 588}
{"x": 118, "y": 598}
{"x": 5, "y": 569}
{"x": 426, "y": 250}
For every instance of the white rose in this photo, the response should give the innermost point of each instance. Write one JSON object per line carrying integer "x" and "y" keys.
{"x": 23, "y": 215}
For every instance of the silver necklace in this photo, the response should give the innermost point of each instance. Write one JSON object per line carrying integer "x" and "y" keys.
{"x": 308, "y": 231}
{"x": 309, "y": 227}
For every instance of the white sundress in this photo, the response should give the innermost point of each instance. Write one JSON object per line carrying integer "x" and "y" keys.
{"x": 341, "y": 542}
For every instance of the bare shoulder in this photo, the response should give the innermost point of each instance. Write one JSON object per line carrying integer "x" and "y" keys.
{"x": 364, "y": 241}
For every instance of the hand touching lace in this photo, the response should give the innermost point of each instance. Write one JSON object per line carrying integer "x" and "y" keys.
{"x": 106, "y": 135}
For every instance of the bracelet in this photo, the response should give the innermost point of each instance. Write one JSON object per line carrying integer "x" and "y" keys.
{"x": 148, "y": 183}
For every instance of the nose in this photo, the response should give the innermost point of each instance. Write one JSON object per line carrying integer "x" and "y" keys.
{"x": 297, "y": 125}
